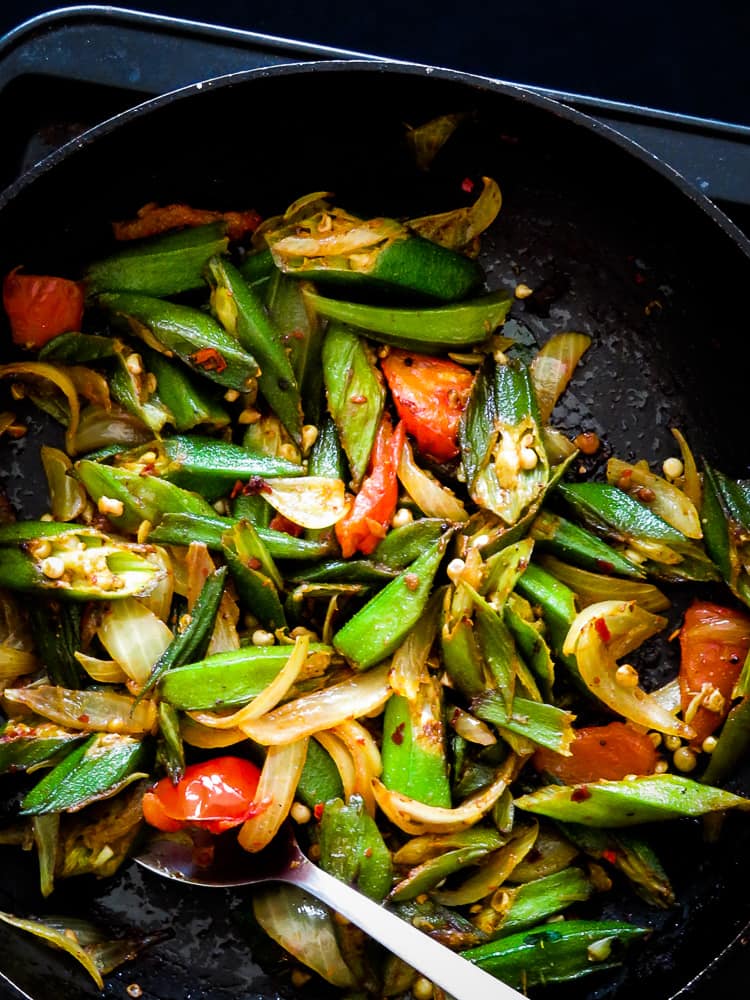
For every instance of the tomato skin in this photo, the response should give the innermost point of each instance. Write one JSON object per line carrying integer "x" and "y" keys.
{"x": 367, "y": 520}
{"x": 600, "y": 752}
{"x": 40, "y": 307}
{"x": 430, "y": 394}
{"x": 714, "y": 642}
{"x": 215, "y": 795}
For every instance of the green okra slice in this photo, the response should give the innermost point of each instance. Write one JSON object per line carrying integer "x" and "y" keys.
{"x": 403, "y": 545}
{"x": 440, "y": 328}
{"x": 161, "y": 265}
{"x": 170, "y": 752}
{"x": 543, "y": 724}
{"x": 80, "y": 564}
{"x": 528, "y": 636}
{"x": 443, "y": 923}
{"x": 255, "y": 575}
{"x": 335, "y": 248}
{"x": 143, "y": 497}
{"x": 79, "y": 348}
{"x": 556, "y": 952}
{"x": 666, "y": 553}
{"x": 326, "y": 455}
{"x": 355, "y": 392}
{"x": 557, "y": 606}
{"x": 732, "y": 745}
{"x": 257, "y": 267}
{"x": 190, "y": 643}
{"x": 414, "y": 748}
{"x": 320, "y": 780}
{"x": 182, "y": 528}
{"x": 572, "y": 543}
{"x": 471, "y": 847}
{"x": 129, "y": 388}
{"x": 341, "y": 571}
{"x": 204, "y": 465}
{"x": 104, "y": 763}
{"x": 502, "y": 452}
{"x": 642, "y": 799}
{"x": 24, "y": 745}
{"x": 56, "y": 627}
{"x": 459, "y": 645}
{"x": 378, "y": 628}
{"x": 725, "y": 519}
{"x": 352, "y": 847}
{"x": 302, "y": 336}
{"x": 233, "y": 678}
{"x": 188, "y": 399}
{"x": 243, "y": 315}
{"x": 192, "y": 335}
{"x": 536, "y": 901}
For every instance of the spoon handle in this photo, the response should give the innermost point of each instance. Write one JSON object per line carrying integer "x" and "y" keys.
{"x": 456, "y": 975}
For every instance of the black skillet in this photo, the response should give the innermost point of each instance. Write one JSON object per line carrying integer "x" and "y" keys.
{"x": 613, "y": 242}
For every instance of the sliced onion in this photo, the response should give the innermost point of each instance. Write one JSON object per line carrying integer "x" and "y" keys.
{"x": 310, "y": 501}
{"x": 666, "y": 500}
{"x": 415, "y": 817}
{"x": 159, "y": 600}
{"x": 365, "y": 757}
{"x": 304, "y": 928}
{"x": 341, "y": 758}
{"x": 102, "y": 671}
{"x": 598, "y": 637}
{"x": 90, "y": 711}
{"x": 691, "y": 480}
{"x": 559, "y": 448}
{"x": 433, "y": 499}
{"x": 333, "y": 244}
{"x": 553, "y": 367}
{"x": 196, "y": 735}
{"x": 461, "y": 226}
{"x": 55, "y": 374}
{"x": 15, "y": 662}
{"x": 409, "y": 662}
{"x": 67, "y": 495}
{"x": 99, "y": 428}
{"x": 591, "y": 588}
{"x": 494, "y": 870}
{"x": 200, "y": 566}
{"x": 275, "y": 794}
{"x": 62, "y": 938}
{"x": 360, "y": 695}
{"x": 90, "y": 384}
{"x": 470, "y": 728}
{"x": 134, "y": 637}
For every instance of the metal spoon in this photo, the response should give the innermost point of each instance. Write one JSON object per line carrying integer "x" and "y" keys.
{"x": 224, "y": 864}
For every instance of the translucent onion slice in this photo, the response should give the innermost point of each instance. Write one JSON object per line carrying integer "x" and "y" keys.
{"x": 415, "y": 817}
{"x": 358, "y": 696}
{"x": 433, "y": 499}
{"x": 102, "y": 671}
{"x": 90, "y": 711}
{"x": 64, "y": 939}
{"x": 660, "y": 496}
{"x": 598, "y": 637}
{"x": 494, "y": 870}
{"x": 590, "y": 588}
{"x": 559, "y": 448}
{"x": 470, "y": 728}
{"x": 691, "y": 480}
{"x": 409, "y": 662}
{"x": 310, "y": 501}
{"x": 134, "y": 637}
{"x": 341, "y": 758}
{"x": 200, "y": 565}
{"x": 553, "y": 367}
{"x": 333, "y": 244}
{"x": 35, "y": 370}
{"x": 159, "y": 600}
{"x": 461, "y": 226}
{"x": 15, "y": 662}
{"x": 67, "y": 495}
{"x": 99, "y": 428}
{"x": 90, "y": 384}
{"x": 275, "y": 794}
{"x": 304, "y": 928}
{"x": 365, "y": 757}
{"x": 196, "y": 735}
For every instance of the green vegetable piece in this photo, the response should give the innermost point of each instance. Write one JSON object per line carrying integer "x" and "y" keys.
{"x": 185, "y": 527}
{"x": 320, "y": 780}
{"x": 413, "y": 747}
{"x": 94, "y": 769}
{"x": 530, "y": 642}
{"x": 355, "y": 393}
{"x": 352, "y": 848}
{"x": 725, "y": 519}
{"x": 255, "y": 576}
{"x": 547, "y": 725}
{"x": 56, "y": 626}
{"x": 378, "y": 628}
{"x": 341, "y": 571}
{"x": 244, "y": 316}
{"x": 302, "y": 335}
{"x": 189, "y": 400}
{"x": 235, "y": 677}
{"x": 433, "y": 870}
{"x": 535, "y": 901}
{"x": 575, "y": 544}
{"x": 130, "y": 391}
{"x": 78, "y": 348}
{"x": 447, "y": 328}
{"x": 624, "y": 803}
{"x": 161, "y": 265}
{"x": 171, "y": 751}
{"x": 442, "y": 923}
{"x": 23, "y": 746}
{"x": 732, "y": 746}
{"x": 257, "y": 267}
{"x": 194, "y": 336}
{"x": 326, "y": 455}
{"x": 558, "y": 609}
{"x": 556, "y": 952}
{"x": 403, "y": 545}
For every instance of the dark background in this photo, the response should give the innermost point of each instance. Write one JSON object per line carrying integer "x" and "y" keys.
{"x": 685, "y": 57}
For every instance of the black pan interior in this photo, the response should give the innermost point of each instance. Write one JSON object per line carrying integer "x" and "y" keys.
{"x": 613, "y": 244}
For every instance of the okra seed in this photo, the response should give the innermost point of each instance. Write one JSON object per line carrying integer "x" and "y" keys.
{"x": 626, "y": 676}
{"x": 144, "y": 529}
{"x": 300, "y": 813}
{"x": 231, "y": 395}
{"x": 109, "y": 505}
{"x": 148, "y": 457}
{"x": 709, "y": 744}
{"x": 655, "y": 738}
{"x": 422, "y": 989}
{"x": 454, "y": 569}
{"x": 402, "y": 517}
{"x": 46, "y": 517}
{"x": 42, "y": 548}
{"x": 673, "y": 468}
{"x": 220, "y": 506}
{"x": 384, "y": 351}
{"x": 480, "y": 541}
{"x": 685, "y": 759}
{"x": 309, "y": 436}
{"x": 53, "y": 567}
{"x": 263, "y": 638}
{"x": 672, "y": 742}
{"x": 134, "y": 364}
{"x": 528, "y": 459}
{"x": 289, "y": 452}
{"x": 660, "y": 767}
{"x": 150, "y": 383}
{"x": 522, "y": 291}
{"x": 249, "y": 416}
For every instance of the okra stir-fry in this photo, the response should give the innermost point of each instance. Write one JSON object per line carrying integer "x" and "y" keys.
{"x": 316, "y": 552}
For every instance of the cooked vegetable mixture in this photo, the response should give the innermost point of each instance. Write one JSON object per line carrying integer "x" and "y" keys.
{"x": 316, "y": 551}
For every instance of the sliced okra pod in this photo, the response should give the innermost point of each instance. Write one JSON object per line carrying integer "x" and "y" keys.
{"x": 528, "y": 635}
{"x": 352, "y": 847}
{"x": 170, "y": 752}
{"x": 378, "y": 628}
{"x": 79, "y": 348}
{"x": 195, "y": 337}
{"x": 79, "y": 564}
{"x": 91, "y": 771}
{"x": 302, "y": 335}
{"x": 320, "y": 780}
{"x": 190, "y": 400}
{"x": 342, "y": 571}
{"x": 403, "y": 545}
{"x": 129, "y": 387}
{"x": 557, "y": 606}
{"x": 413, "y": 746}
{"x": 725, "y": 519}
{"x": 258, "y": 267}
{"x": 446, "y": 925}
{"x": 24, "y": 745}
{"x": 470, "y": 847}
{"x": 255, "y": 576}
{"x": 326, "y": 455}
{"x": 440, "y": 328}
{"x": 572, "y": 543}
{"x": 57, "y": 637}
{"x": 543, "y": 724}
{"x": 732, "y": 745}
{"x": 533, "y": 902}
{"x": 184, "y": 528}
{"x": 243, "y": 315}
{"x": 355, "y": 393}
{"x": 160, "y": 265}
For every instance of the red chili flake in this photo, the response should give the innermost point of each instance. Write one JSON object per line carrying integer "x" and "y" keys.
{"x": 83, "y": 718}
{"x": 368, "y": 852}
{"x": 254, "y": 563}
{"x": 254, "y": 486}
{"x": 467, "y": 185}
{"x": 580, "y": 794}
{"x": 147, "y": 470}
{"x": 318, "y": 810}
{"x": 624, "y": 481}
{"x": 601, "y": 627}
{"x": 209, "y": 359}
{"x": 411, "y": 580}
{"x": 610, "y": 855}
{"x": 237, "y": 489}
{"x": 645, "y": 494}
{"x": 281, "y": 523}
{"x": 605, "y": 566}
{"x": 297, "y": 334}
{"x": 398, "y": 734}
{"x": 358, "y": 398}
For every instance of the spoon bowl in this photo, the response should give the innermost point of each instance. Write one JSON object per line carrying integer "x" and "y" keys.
{"x": 220, "y": 862}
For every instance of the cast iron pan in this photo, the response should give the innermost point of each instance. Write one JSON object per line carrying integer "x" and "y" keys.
{"x": 614, "y": 244}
